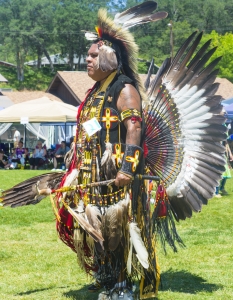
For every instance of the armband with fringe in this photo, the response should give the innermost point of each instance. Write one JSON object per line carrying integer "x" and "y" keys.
{"x": 130, "y": 160}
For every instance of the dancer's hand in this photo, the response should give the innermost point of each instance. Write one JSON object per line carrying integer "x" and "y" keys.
{"x": 122, "y": 179}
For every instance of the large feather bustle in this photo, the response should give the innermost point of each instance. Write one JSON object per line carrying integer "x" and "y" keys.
{"x": 184, "y": 128}
{"x": 135, "y": 236}
{"x": 26, "y": 192}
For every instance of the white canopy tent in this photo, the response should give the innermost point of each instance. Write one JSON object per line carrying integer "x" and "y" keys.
{"x": 42, "y": 110}
{"x": 39, "y": 111}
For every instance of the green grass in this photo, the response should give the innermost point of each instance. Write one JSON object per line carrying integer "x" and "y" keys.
{"x": 35, "y": 264}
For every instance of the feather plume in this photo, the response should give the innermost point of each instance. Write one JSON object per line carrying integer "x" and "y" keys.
{"x": 129, "y": 260}
{"x": 69, "y": 155}
{"x": 71, "y": 179}
{"x": 113, "y": 222}
{"x": 94, "y": 218}
{"x": 97, "y": 170}
{"x": 139, "y": 14}
{"x": 149, "y": 73}
{"x": 108, "y": 163}
{"x": 85, "y": 225}
{"x": 107, "y": 59}
{"x": 90, "y": 36}
{"x": 138, "y": 244}
{"x": 135, "y": 11}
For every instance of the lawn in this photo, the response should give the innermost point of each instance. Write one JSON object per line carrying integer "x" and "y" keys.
{"x": 35, "y": 264}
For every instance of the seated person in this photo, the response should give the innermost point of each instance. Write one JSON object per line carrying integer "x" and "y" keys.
{"x": 21, "y": 155}
{"x": 3, "y": 160}
{"x": 26, "y": 155}
{"x": 60, "y": 154}
{"x": 13, "y": 159}
{"x": 38, "y": 156}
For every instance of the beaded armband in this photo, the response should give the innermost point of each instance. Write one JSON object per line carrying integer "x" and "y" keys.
{"x": 133, "y": 114}
{"x": 130, "y": 160}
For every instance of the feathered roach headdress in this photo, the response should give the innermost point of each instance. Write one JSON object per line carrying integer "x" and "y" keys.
{"x": 117, "y": 48}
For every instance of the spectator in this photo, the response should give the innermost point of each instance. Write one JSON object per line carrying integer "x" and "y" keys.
{"x": 13, "y": 159}
{"x": 39, "y": 156}
{"x": 226, "y": 175}
{"x": 16, "y": 137}
{"x": 60, "y": 154}
{"x": 20, "y": 155}
{"x": 3, "y": 160}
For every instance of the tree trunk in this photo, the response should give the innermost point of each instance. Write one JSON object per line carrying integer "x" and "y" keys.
{"x": 20, "y": 66}
{"x": 71, "y": 59}
{"x": 49, "y": 59}
{"x": 39, "y": 56}
{"x": 79, "y": 62}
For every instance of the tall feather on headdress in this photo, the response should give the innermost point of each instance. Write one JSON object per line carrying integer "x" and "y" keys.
{"x": 121, "y": 40}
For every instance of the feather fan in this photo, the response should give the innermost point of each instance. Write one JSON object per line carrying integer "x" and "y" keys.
{"x": 27, "y": 192}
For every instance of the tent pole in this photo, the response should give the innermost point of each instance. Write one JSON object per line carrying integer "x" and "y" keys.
{"x": 65, "y": 132}
{"x": 25, "y": 136}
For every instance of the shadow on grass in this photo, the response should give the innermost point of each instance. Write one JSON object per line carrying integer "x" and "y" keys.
{"x": 79, "y": 294}
{"x": 82, "y": 294}
{"x": 185, "y": 282}
{"x": 39, "y": 290}
{"x": 172, "y": 281}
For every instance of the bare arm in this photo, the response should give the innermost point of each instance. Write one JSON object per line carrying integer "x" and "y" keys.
{"x": 228, "y": 151}
{"x": 129, "y": 99}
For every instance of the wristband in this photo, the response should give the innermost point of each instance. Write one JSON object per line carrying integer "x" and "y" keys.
{"x": 131, "y": 159}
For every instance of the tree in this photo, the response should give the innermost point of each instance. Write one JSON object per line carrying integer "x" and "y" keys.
{"x": 225, "y": 49}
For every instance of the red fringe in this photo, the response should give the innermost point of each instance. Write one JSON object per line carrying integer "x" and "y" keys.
{"x": 65, "y": 227}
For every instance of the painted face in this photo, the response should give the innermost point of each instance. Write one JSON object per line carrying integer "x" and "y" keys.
{"x": 92, "y": 64}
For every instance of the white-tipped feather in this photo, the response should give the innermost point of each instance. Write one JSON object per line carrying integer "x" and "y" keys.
{"x": 90, "y": 36}
{"x": 108, "y": 163}
{"x": 94, "y": 217}
{"x": 138, "y": 244}
{"x": 129, "y": 260}
{"x": 97, "y": 170}
{"x": 71, "y": 178}
{"x": 107, "y": 153}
